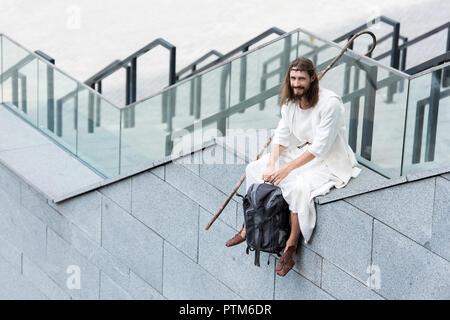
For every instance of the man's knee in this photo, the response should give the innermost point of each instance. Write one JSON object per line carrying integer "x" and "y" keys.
{"x": 250, "y": 168}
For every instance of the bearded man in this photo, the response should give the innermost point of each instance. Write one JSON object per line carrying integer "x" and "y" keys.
{"x": 309, "y": 156}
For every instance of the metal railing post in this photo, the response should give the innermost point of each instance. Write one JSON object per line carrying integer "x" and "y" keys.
{"x": 23, "y": 92}
{"x": 59, "y": 105}
{"x": 395, "y": 59}
{"x": 168, "y": 111}
{"x": 90, "y": 119}
{"x": 98, "y": 106}
{"x": 50, "y": 99}
{"x": 172, "y": 66}
{"x": 133, "y": 92}
{"x": 403, "y": 65}
{"x": 243, "y": 76}
{"x": 222, "y": 121}
{"x": 446, "y": 73}
{"x": 433, "y": 112}
{"x": 198, "y": 98}
{"x": 418, "y": 131}
{"x": 164, "y": 107}
{"x": 15, "y": 88}
{"x": 369, "y": 112}
{"x": 75, "y": 110}
{"x": 191, "y": 96}
{"x": 354, "y": 114}
{"x": 127, "y": 96}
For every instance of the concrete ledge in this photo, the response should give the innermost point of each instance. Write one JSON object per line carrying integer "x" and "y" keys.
{"x": 149, "y": 166}
{"x": 39, "y": 161}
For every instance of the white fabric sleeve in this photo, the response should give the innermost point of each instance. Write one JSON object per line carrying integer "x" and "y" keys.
{"x": 282, "y": 132}
{"x": 328, "y": 128}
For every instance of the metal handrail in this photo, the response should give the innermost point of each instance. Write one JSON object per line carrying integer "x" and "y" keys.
{"x": 381, "y": 18}
{"x": 426, "y": 35}
{"x": 242, "y": 48}
{"x": 103, "y": 73}
{"x": 193, "y": 65}
{"x": 441, "y": 59}
{"x": 174, "y": 76}
{"x": 117, "y": 64}
{"x": 242, "y": 54}
{"x": 45, "y": 56}
{"x": 420, "y": 38}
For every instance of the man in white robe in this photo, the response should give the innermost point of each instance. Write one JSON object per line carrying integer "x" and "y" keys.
{"x": 333, "y": 157}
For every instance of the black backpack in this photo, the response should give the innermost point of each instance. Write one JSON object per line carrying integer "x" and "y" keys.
{"x": 266, "y": 216}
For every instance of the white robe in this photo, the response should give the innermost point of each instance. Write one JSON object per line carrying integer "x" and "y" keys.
{"x": 334, "y": 163}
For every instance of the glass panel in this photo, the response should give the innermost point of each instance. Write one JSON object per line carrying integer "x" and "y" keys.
{"x": 319, "y": 52}
{"x": 19, "y": 80}
{"x": 113, "y": 87}
{"x": 247, "y": 90}
{"x": 98, "y": 124}
{"x": 427, "y": 143}
{"x": 255, "y": 87}
{"x": 143, "y": 135}
{"x": 199, "y": 98}
{"x": 57, "y": 106}
{"x": 187, "y": 107}
{"x": 256, "y": 73}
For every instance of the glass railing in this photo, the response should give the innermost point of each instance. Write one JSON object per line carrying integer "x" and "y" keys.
{"x": 427, "y": 139}
{"x": 237, "y": 97}
{"x": 240, "y": 94}
{"x": 64, "y": 109}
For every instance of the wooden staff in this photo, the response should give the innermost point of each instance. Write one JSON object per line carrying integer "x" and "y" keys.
{"x": 235, "y": 189}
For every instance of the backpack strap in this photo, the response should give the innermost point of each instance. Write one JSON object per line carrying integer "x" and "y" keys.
{"x": 239, "y": 195}
{"x": 257, "y": 257}
{"x": 257, "y": 250}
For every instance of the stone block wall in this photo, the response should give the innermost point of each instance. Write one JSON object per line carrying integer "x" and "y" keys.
{"x": 144, "y": 238}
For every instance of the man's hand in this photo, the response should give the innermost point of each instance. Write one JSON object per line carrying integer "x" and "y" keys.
{"x": 268, "y": 172}
{"x": 280, "y": 174}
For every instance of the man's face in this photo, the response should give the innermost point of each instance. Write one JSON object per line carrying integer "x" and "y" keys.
{"x": 300, "y": 82}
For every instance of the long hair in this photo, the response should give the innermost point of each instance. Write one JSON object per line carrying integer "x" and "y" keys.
{"x": 312, "y": 95}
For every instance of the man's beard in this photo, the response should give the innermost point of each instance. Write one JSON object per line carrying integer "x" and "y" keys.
{"x": 298, "y": 96}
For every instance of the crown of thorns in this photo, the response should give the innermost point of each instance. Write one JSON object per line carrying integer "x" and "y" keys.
{"x": 298, "y": 69}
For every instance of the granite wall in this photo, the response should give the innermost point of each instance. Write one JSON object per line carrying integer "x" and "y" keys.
{"x": 144, "y": 238}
